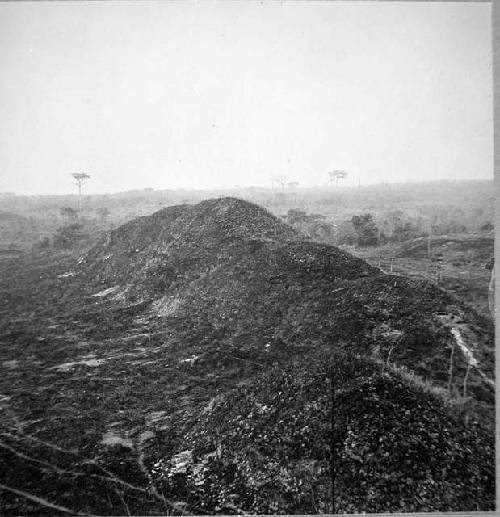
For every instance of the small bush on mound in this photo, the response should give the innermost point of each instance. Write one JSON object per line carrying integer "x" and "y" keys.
{"x": 368, "y": 233}
{"x": 69, "y": 236}
{"x": 75, "y": 236}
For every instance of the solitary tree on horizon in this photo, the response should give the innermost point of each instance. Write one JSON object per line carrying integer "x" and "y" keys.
{"x": 80, "y": 178}
{"x": 279, "y": 179}
{"x": 337, "y": 175}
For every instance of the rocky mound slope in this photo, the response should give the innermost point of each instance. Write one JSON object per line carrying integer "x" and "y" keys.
{"x": 239, "y": 275}
{"x": 211, "y": 361}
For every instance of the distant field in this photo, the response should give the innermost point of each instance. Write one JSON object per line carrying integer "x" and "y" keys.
{"x": 458, "y": 264}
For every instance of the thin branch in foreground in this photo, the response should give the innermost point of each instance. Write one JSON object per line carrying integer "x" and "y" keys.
{"x": 43, "y": 502}
{"x": 34, "y": 460}
{"x": 42, "y": 442}
{"x": 109, "y": 475}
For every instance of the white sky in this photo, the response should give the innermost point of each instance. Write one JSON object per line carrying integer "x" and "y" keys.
{"x": 214, "y": 94}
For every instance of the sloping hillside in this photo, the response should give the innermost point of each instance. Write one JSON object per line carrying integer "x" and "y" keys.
{"x": 460, "y": 264}
{"x": 232, "y": 269}
{"x": 463, "y": 248}
{"x": 205, "y": 359}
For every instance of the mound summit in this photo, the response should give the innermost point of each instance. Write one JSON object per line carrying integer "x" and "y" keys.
{"x": 250, "y": 370}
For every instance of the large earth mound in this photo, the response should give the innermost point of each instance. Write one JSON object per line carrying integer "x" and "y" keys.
{"x": 211, "y": 361}
{"x": 238, "y": 274}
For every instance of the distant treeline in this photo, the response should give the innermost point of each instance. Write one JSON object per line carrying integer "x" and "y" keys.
{"x": 365, "y": 216}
